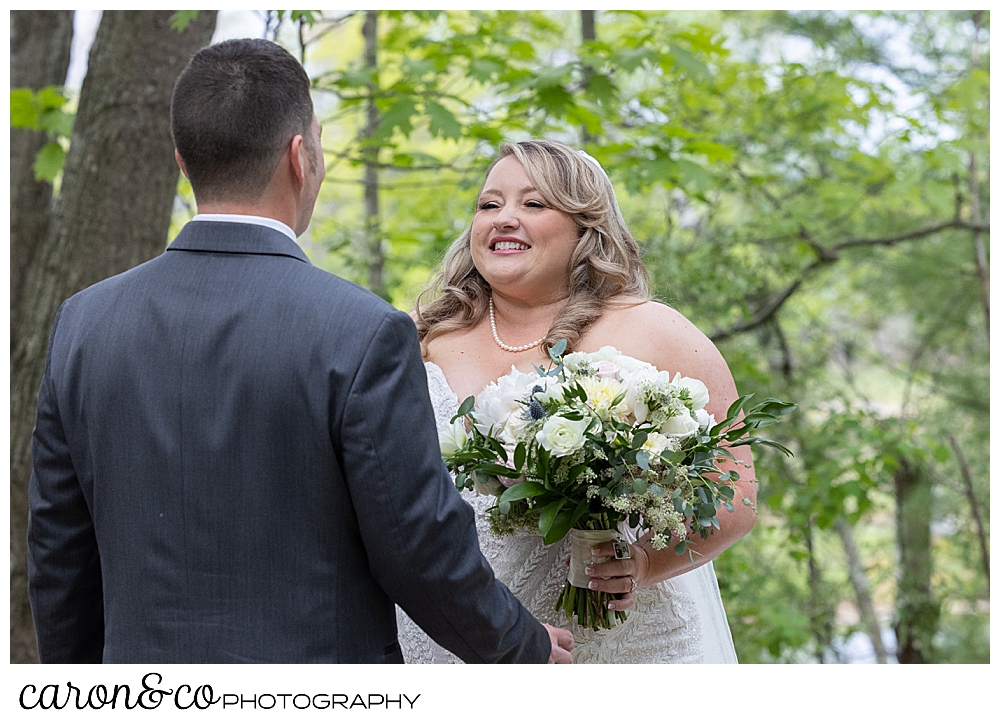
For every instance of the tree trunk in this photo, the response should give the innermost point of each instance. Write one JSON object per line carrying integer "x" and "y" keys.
{"x": 39, "y": 56}
{"x": 373, "y": 233}
{"x": 588, "y": 33}
{"x": 975, "y": 214}
{"x": 859, "y": 579}
{"x": 819, "y": 617}
{"x": 113, "y": 212}
{"x": 916, "y": 610}
{"x": 970, "y": 493}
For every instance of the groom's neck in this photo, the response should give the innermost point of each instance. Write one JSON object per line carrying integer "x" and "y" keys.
{"x": 262, "y": 207}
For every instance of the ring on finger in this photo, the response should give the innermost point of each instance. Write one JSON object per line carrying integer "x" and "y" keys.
{"x": 632, "y": 590}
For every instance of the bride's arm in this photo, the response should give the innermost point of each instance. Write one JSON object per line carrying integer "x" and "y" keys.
{"x": 664, "y": 338}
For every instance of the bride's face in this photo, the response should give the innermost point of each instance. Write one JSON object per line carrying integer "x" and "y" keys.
{"x": 520, "y": 244}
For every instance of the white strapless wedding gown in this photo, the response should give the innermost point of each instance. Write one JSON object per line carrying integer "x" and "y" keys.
{"x": 679, "y": 621}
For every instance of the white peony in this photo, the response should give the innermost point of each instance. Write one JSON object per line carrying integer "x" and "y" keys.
{"x": 452, "y": 437}
{"x": 682, "y": 425}
{"x": 631, "y": 364}
{"x": 697, "y": 389}
{"x": 497, "y": 406}
{"x": 704, "y": 419}
{"x": 604, "y": 354}
{"x": 575, "y": 360}
{"x": 560, "y": 436}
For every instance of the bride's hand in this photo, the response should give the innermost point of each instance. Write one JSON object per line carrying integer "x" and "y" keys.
{"x": 622, "y": 576}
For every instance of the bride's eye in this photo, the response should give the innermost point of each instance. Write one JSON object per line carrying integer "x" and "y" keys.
{"x": 488, "y": 205}
{"x": 535, "y": 205}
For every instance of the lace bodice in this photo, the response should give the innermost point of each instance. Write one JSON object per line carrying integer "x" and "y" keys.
{"x": 664, "y": 625}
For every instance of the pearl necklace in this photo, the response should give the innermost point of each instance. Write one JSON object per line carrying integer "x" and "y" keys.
{"x": 496, "y": 337}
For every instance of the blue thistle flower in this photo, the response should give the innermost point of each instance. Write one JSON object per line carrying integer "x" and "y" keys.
{"x": 535, "y": 410}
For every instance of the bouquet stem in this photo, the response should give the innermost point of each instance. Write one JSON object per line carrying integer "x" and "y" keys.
{"x": 589, "y": 607}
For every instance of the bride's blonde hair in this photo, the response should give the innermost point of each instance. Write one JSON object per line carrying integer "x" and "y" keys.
{"x": 604, "y": 265}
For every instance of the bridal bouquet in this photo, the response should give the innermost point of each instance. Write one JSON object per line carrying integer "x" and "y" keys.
{"x": 596, "y": 441}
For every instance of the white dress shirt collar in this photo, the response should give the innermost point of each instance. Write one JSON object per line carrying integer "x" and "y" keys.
{"x": 247, "y": 219}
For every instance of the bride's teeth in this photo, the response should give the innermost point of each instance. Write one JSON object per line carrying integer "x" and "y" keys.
{"x": 508, "y": 245}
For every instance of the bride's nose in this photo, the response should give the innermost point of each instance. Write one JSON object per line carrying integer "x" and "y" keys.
{"x": 505, "y": 219}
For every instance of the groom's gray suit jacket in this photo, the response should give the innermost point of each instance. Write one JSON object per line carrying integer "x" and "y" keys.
{"x": 235, "y": 460}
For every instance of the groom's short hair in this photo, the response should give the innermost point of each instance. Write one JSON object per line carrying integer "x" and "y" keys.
{"x": 235, "y": 108}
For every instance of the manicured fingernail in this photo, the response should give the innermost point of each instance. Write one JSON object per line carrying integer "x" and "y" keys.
{"x": 589, "y": 570}
{"x": 592, "y": 584}
{"x": 595, "y": 551}
{"x": 611, "y": 605}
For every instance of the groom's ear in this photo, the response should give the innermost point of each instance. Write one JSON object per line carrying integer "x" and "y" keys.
{"x": 180, "y": 162}
{"x": 297, "y": 159}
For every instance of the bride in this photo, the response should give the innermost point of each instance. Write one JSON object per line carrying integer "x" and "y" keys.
{"x": 548, "y": 257}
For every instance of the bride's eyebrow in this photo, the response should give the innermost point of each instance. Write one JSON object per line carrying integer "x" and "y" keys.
{"x": 522, "y": 192}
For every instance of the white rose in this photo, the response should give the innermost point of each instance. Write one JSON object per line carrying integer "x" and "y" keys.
{"x": 682, "y": 425}
{"x": 453, "y": 437}
{"x": 697, "y": 389}
{"x": 560, "y": 436}
{"x": 704, "y": 419}
{"x": 608, "y": 370}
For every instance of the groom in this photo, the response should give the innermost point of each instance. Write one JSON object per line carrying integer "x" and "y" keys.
{"x": 235, "y": 457}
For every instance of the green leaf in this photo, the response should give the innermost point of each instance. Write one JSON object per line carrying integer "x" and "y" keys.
{"x": 526, "y": 489}
{"x": 520, "y": 453}
{"x": 521, "y": 50}
{"x": 560, "y": 527}
{"x": 465, "y": 408}
{"x": 442, "y": 122}
{"x": 397, "y": 115}
{"x": 548, "y": 516}
{"x": 181, "y": 19}
{"x": 23, "y": 113}
{"x": 49, "y": 162}
{"x": 57, "y": 122}
{"x": 642, "y": 460}
{"x": 556, "y": 350}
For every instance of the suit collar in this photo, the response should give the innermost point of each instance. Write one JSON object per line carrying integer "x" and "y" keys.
{"x": 235, "y": 238}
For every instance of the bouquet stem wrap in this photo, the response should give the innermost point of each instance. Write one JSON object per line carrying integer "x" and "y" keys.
{"x": 590, "y": 608}
{"x": 580, "y": 557}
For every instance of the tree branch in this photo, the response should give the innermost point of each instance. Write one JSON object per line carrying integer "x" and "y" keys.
{"x": 828, "y": 255}
{"x": 970, "y": 492}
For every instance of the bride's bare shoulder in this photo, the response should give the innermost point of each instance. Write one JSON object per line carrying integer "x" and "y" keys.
{"x": 664, "y": 337}
{"x": 650, "y": 322}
